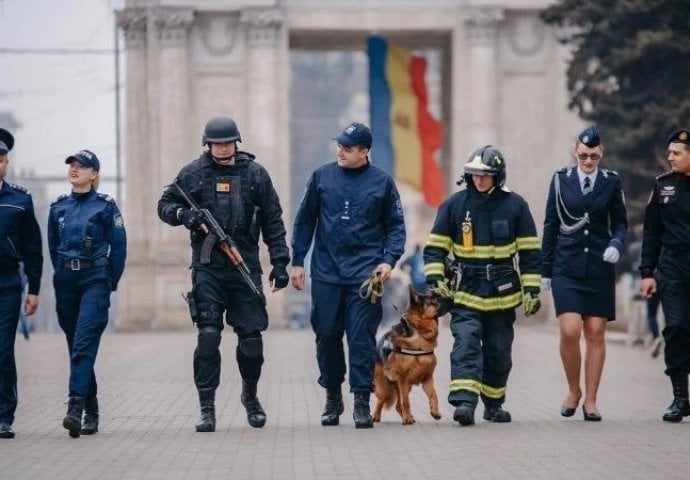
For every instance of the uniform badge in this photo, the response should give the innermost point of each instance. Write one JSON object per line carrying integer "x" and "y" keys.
{"x": 683, "y": 136}
{"x": 667, "y": 191}
{"x": 117, "y": 220}
{"x": 223, "y": 187}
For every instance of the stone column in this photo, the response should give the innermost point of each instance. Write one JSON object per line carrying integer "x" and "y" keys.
{"x": 266, "y": 129}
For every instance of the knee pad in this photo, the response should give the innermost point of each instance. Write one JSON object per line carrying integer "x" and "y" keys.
{"x": 208, "y": 341}
{"x": 251, "y": 346}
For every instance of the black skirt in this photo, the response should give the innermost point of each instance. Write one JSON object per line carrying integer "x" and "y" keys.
{"x": 588, "y": 297}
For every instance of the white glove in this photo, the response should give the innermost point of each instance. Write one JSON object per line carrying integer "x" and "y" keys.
{"x": 611, "y": 255}
{"x": 545, "y": 284}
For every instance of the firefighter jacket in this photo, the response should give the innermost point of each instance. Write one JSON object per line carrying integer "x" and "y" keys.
{"x": 242, "y": 199}
{"x": 501, "y": 228}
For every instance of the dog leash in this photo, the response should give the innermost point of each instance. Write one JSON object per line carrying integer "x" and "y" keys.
{"x": 372, "y": 288}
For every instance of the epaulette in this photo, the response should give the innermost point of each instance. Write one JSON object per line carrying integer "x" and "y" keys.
{"x": 565, "y": 170}
{"x": 106, "y": 197}
{"x": 19, "y": 188}
{"x": 60, "y": 198}
{"x": 665, "y": 175}
{"x": 608, "y": 172}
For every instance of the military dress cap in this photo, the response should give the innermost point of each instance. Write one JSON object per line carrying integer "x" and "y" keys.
{"x": 6, "y": 141}
{"x": 680, "y": 136}
{"x": 590, "y": 137}
{"x": 355, "y": 134}
{"x": 86, "y": 158}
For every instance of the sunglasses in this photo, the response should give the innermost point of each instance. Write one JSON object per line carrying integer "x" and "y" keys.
{"x": 585, "y": 156}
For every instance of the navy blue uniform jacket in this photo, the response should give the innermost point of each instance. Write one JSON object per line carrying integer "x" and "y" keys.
{"x": 355, "y": 219}
{"x": 579, "y": 254}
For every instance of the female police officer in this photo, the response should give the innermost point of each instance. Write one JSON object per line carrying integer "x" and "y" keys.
{"x": 87, "y": 242}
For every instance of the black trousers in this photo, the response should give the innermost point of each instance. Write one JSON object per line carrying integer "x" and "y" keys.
{"x": 674, "y": 274}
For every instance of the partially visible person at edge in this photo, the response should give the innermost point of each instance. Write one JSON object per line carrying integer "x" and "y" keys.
{"x": 20, "y": 242}
{"x": 352, "y": 211}
{"x": 484, "y": 227}
{"x": 666, "y": 248}
{"x": 414, "y": 263}
{"x": 585, "y": 228}
{"x": 239, "y": 193}
{"x": 88, "y": 249}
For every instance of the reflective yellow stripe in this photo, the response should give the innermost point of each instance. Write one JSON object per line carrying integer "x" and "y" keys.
{"x": 468, "y": 384}
{"x": 528, "y": 243}
{"x": 493, "y": 392}
{"x": 439, "y": 241}
{"x": 485, "y": 251}
{"x": 436, "y": 268}
{"x": 489, "y": 304}
{"x": 530, "y": 279}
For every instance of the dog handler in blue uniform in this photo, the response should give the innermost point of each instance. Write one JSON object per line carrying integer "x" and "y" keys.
{"x": 351, "y": 211}
{"x": 20, "y": 241}
{"x": 484, "y": 226}
{"x": 88, "y": 248}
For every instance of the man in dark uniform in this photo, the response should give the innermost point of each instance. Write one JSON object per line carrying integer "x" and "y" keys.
{"x": 666, "y": 247}
{"x": 20, "y": 241}
{"x": 239, "y": 193}
{"x": 484, "y": 227}
{"x": 351, "y": 211}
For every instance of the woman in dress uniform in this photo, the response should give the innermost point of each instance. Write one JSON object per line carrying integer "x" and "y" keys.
{"x": 87, "y": 242}
{"x": 585, "y": 227}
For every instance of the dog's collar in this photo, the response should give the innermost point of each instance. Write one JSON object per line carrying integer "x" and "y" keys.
{"x": 407, "y": 351}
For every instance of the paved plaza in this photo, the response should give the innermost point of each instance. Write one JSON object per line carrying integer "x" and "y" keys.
{"x": 149, "y": 408}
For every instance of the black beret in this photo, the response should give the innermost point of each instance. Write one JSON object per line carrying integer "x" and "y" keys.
{"x": 6, "y": 141}
{"x": 680, "y": 136}
{"x": 590, "y": 137}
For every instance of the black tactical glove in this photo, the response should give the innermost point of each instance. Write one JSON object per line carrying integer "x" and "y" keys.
{"x": 189, "y": 218}
{"x": 279, "y": 277}
{"x": 530, "y": 300}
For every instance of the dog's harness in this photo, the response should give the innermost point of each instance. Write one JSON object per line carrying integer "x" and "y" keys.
{"x": 384, "y": 347}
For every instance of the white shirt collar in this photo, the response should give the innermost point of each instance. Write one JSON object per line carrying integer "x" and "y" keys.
{"x": 592, "y": 176}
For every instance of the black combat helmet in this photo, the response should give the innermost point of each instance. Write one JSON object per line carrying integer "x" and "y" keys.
{"x": 486, "y": 160}
{"x": 221, "y": 130}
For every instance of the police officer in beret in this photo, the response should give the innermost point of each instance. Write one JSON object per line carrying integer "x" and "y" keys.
{"x": 88, "y": 248}
{"x": 239, "y": 193}
{"x": 20, "y": 242}
{"x": 351, "y": 212}
{"x": 666, "y": 248}
{"x": 585, "y": 229}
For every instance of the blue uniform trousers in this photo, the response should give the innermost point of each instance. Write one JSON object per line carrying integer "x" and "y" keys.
{"x": 337, "y": 310}
{"x": 481, "y": 358}
{"x": 82, "y": 300}
{"x": 10, "y": 303}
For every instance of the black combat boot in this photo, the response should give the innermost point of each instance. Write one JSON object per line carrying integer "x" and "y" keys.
{"x": 90, "y": 424}
{"x": 680, "y": 407}
{"x": 361, "y": 413}
{"x": 72, "y": 420}
{"x": 207, "y": 420}
{"x": 464, "y": 414}
{"x": 493, "y": 412}
{"x": 334, "y": 407}
{"x": 256, "y": 417}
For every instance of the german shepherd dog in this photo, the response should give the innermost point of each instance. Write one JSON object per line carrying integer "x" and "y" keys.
{"x": 406, "y": 357}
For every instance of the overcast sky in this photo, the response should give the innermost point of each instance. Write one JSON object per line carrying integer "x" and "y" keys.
{"x": 63, "y": 102}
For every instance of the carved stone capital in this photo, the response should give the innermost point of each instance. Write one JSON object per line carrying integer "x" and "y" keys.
{"x": 263, "y": 25}
{"x": 482, "y": 23}
{"x": 173, "y": 24}
{"x": 132, "y": 22}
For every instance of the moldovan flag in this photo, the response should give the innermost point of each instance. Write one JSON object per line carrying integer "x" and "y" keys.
{"x": 405, "y": 136}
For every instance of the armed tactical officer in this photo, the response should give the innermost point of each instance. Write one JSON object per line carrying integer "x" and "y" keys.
{"x": 238, "y": 193}
{"x": 20, "y": 241}
{"x": 666, "y": 247}
{"x": 484, "y": 227}
{"x": 88, "y": 249}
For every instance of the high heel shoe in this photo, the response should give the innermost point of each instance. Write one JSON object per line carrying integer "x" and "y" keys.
{"x": 590, "y": 417}
{"x": 570, "y": 411}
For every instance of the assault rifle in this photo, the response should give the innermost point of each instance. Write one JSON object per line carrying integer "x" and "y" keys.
{"x": 215, "y": 234}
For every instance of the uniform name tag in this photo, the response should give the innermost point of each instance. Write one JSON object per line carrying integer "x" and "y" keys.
{"x": 223, "y": 187}
{"x": 505, "y": 286}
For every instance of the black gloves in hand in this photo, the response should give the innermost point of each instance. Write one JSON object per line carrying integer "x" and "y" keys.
{"x": 279, "y": 276}
{"x": 189, "y": 218}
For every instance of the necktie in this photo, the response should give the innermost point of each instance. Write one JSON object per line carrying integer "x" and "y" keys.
{"x": 586, "y": 187}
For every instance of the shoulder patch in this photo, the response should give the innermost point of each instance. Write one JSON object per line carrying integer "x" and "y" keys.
{"x": 60, "y": 198}
{"x": 19, "y": 188}
{"x": 664, "y": 175}
{"x": 106, "y": 197}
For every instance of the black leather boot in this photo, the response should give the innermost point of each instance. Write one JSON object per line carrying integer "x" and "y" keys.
{"x": 72, "y": 420}
{"x": 90, "y": 424}
{"x": 256, "y": 417}
{"x": 464, "y": 414}
{"x": 207, "y": 420}
{"x": 680, "y": 407}
{"x": 493, "y": 412}
{"x": 361, "y": 413}
{"x": 334, "y": 407}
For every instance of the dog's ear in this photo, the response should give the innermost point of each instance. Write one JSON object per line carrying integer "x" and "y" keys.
{"x": 414, "y": 296}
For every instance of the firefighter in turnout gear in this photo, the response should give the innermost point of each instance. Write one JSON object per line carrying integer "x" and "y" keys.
{"x": 483, "y": 228}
